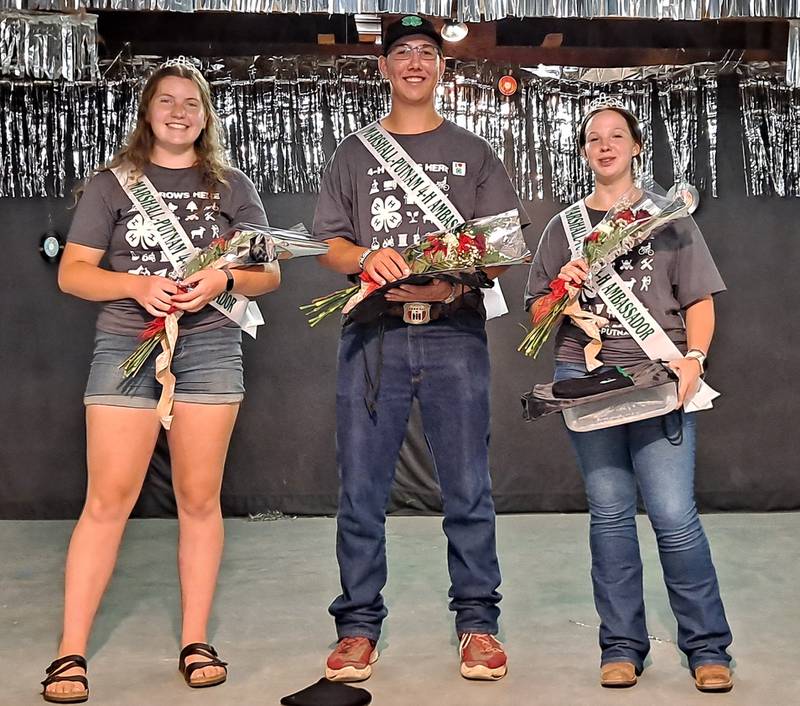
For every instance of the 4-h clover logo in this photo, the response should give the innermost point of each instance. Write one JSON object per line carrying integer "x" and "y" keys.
{"x": 385, "y": 214}
{"x": 411, "y": 21}
{"x": 139, "y": 234}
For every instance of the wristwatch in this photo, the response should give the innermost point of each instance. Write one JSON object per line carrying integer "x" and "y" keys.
{"x": 363, "y": 258}
{"x": 699, "y": 356}
{"x": 452, "y": 296}
{"x": 229, "y": 275}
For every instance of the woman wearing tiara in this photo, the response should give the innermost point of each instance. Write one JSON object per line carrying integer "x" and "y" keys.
{"x": 675, "y": 278}
{"x": 175, "y": 144}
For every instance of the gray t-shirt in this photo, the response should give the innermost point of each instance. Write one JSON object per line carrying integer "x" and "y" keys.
{"x": 360, "y": 202}
{"x": 669, "y": 271}
{"x": 105, "y": 219}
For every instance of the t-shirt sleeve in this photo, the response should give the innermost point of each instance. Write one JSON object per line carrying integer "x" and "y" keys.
{"x": 551, "y": 255}
{"x": 333, "y": 216}
{"x": 695, "y": 276}
{"x": 495, "y": 193}
{"x": 247, "y": 206}
{"x": 94, "y": 219}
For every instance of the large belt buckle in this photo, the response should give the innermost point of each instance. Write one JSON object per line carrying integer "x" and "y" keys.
{"x": 417, "y": 313}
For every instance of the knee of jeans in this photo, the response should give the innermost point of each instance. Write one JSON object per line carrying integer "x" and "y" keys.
{"x": 360, "y": 527}
{"x": 468, "y": 504}
{"x": 611, "y": 512}
{"x": 359, "y": 507}
{"x": 677, "y": 527}
{"x": 610, "y": 500}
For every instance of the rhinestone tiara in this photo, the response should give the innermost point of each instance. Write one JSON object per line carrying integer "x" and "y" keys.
{"x": 179, "y": 61}
{"x": 603, "y": 101}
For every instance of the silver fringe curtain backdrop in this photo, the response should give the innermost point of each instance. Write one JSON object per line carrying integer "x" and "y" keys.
{"x": 276, "y": 120}
{"x": 688, "y": 108}
{"x": 472, "y": 10}
{"x": 556, "y": 107}
{"x": 53, "y": 133}
{"x": 770, "y": 113}
{"x": 47, "y": 46}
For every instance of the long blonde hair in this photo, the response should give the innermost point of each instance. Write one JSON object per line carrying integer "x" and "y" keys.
{"x": 211, "y": 156}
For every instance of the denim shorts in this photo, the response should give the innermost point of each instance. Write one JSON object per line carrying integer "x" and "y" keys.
{"x": 207, "y": 367}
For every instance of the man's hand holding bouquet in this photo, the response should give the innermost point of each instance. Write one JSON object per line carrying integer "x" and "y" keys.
{"x": 429, "y": 271}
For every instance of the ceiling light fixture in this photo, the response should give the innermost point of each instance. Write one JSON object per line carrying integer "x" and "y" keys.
{"x": 453, "y": 31}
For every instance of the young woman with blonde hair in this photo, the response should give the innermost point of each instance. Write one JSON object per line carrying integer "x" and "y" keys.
{"x": 175, "y": 144}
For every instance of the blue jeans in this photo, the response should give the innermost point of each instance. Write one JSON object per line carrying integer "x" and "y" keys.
{"x": 445, "y": 365}
{"x": 657, "y": 455}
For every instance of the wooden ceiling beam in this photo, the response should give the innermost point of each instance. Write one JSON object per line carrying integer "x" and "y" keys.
{"x": 589, "y": 43}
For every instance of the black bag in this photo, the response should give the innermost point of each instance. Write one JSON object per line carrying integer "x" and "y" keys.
{"x": 593, "y": 384}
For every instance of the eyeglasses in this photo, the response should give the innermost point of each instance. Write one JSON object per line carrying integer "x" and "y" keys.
{"x": 403, "y": 52}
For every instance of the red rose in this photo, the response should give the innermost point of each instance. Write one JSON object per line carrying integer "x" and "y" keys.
{"x": 464, "y": 243}
{"x": 626, "y": 216}
{"x": 641, "y": 214}
{"x": 593, "y": 237}
{"x": 155, "y": 328}
{"x": 558, "y": 287}
{"x": 539, "y": 309}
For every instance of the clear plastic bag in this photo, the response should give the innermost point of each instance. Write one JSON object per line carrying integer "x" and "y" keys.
{"x": 632, "y": 406}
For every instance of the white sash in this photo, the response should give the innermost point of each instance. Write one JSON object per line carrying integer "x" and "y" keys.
{"x": 429, "y": 197}
{"x": 623, "y": 304}
{"x": 178, "y": 247}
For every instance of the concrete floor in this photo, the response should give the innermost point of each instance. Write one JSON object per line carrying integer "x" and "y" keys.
{"x": 278, "y": 578}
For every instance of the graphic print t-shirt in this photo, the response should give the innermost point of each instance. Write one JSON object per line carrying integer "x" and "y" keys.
{"x": 362, "y": 203}
{"x": 669, "y": 271}
{"x": 105, "y": 219}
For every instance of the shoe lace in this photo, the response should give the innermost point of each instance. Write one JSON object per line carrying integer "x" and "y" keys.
{"x": 347, "y": 644}
{"x": 486, "y": 644}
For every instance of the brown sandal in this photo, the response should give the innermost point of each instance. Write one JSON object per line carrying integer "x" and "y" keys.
{"x": 56, "y": 669}
{"x": 205, "y": 650}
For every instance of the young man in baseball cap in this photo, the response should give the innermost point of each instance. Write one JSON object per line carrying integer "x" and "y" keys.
{"x": 367, "y": 218}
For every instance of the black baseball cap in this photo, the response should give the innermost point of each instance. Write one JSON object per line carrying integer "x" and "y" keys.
{"x": 408, "y": 26}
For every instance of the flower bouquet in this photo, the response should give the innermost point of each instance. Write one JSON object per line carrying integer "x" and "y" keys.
{"x": 459, "y": 256}
{"x": 245, "y": 245}
{"x": 630, "y": 221}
